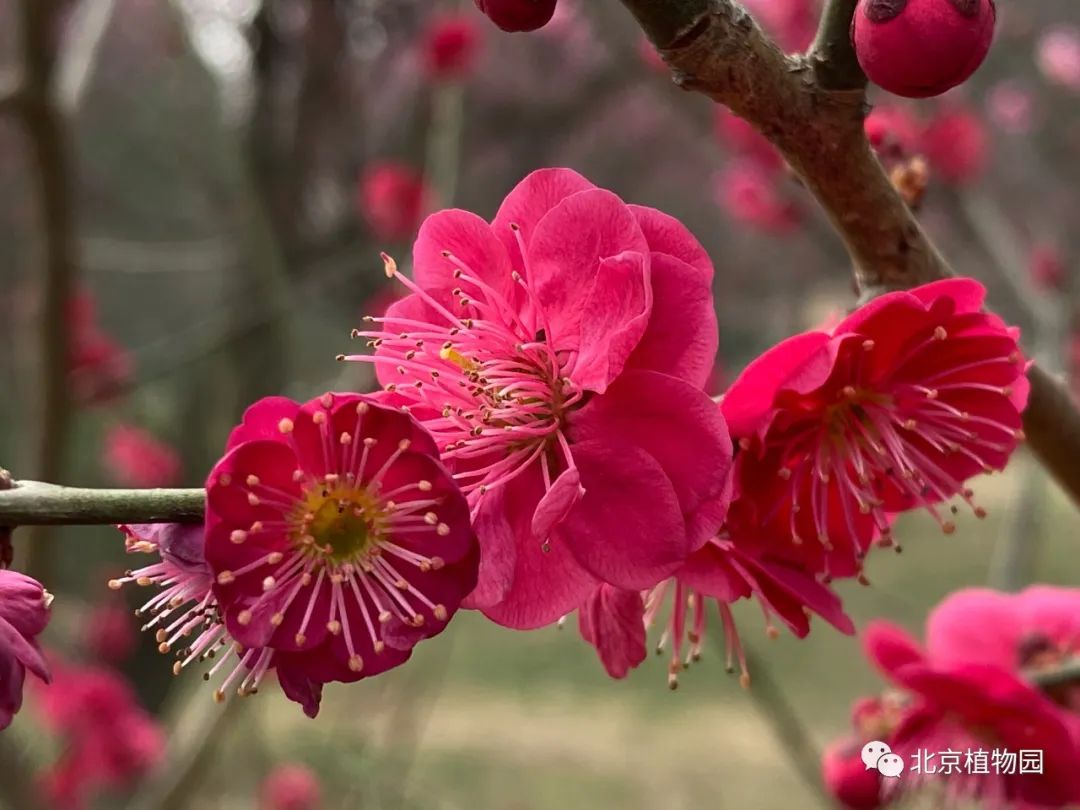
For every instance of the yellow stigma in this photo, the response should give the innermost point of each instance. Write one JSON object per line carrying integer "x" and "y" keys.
{"x": 457, "y": 358}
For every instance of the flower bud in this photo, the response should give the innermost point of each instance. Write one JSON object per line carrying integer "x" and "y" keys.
{"x": 518, "y": 15}
{"x": 921, "y": 48}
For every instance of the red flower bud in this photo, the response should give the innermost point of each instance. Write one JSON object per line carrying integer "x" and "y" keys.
{"x": 921, "y": 48}
{"x": 518, "y": 15}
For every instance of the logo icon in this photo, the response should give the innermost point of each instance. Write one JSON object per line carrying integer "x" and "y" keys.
{"x": 878, "y": 756}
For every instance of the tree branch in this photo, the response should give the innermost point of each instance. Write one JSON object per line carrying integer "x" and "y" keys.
{"x": 812, "y": 109}
{"x": 832, "y": 56}
{"x": 33, "y": 503}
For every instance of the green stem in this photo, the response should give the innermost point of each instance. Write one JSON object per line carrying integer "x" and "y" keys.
{"x": 33, "y": 503}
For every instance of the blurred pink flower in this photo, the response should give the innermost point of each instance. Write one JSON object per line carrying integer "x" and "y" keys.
{"x": 1047, "y": 267}
{"x": 970, "y": 691}
{"x": 391, "y": 198}
{"x": 99, "y": 368}
{"x": 650, "y": 57}
{"x": 109, "y": 633}
{"x": 336, "y": 539}
{"x": 563, "y": 350}
{"x": 894, "y": 130}
{"x": 24, "y": 612}
{"x": 746, "y": 142}
{"x": 895, "y": 408}
{"x": 750, "y": 196}
{"x": 846, "y": 777}
{"x": 957, "y": 145}
{"x": 791, "y": 22}
{"x": 451, "y": 46}
{"x": 135, "y": 458}
{"x": 290, "y": 786}
{"x": 109, "y": 740}
{"x": 1011, "y": 107}
{"x": 1057, "y": 54}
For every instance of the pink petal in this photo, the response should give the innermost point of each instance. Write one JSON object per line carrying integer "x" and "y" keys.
{"x": 966, "y": 294}
{"x": 13, "y": 643}
{"x": 977, "y": 626}
{"x": 612, "y": 620}
{"x": 615, "y": 316}
{"x": 667, "y": 235}
{"x": 806, "y": 359}
{"x": 628, "y": 530}
{"x": 298, "y": 687}
{"x": 681, "y": 338}
{"x": 890, "y": 648}
{"x": 565, "y": 254}
{"x": 681, "y": 428}
{"x": 553, "y": 508}
{"x": 1052, "y": 611}
{"x": 543, "y": 586}
{"x": 472, "y": 242}
{"x": 529, "y": 202}
{"x": 261, "y": 421}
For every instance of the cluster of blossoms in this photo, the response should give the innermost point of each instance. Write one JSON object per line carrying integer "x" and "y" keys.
{"x": 544, "y": 444}
{"x": 979, "y": 685}
{"x": 108, "y": 741}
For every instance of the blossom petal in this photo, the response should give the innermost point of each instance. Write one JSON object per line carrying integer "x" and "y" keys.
{"x": 681, "y": 428}
{"x": 529, "y": 202}
{"x": 668, "y": 236}
{"x": 566, "y": 251}
{"x": 612, "y": 620}
{"x": 473, "y": 246}
{"x": 613, "y": 320}
{"x": 261, "y": 421}
{"x": 557, "y": 502}
{"x": 628, "y": 529}
{"x": 805, "y": 360}
{"x": 545, "y": 586}
{"x": 890, "y": 648}
{"x": 681, "y": 338}
{"x": 975, "y": 625}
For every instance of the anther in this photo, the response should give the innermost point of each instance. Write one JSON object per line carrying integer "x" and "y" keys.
{"x": 285, "y": 426}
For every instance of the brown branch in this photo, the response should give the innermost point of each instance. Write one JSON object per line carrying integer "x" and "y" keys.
{"x": 812, "y": 109}
{"x": 39, "y": 27}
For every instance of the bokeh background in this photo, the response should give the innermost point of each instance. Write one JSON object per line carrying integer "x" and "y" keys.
{"x": 223, "y": 177}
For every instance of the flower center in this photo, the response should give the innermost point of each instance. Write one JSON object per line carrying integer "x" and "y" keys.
{"x": 486, "y": 365}
{"x": 339, "y": 524}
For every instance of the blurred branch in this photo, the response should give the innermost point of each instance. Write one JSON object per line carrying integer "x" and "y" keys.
{"x": 790, "y": 731}
{"x": 195, "y": 724}
{"x": 33, "y": 503}
{"x": 211, "y": 255}
{"x": 39, "y": 25}
{"x": 715, "y": 48}
{"x": 10, "y": 92}
{"x": 86, "y": 30}
{"x": 444, "y": 140}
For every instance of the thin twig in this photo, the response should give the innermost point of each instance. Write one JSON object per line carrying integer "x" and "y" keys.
{"x": 832, "y": 56}
{"x": 33, "y": 503}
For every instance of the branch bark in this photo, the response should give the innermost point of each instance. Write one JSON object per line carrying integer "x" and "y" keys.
{"x": 33, "y": 503}
{"x": 812, "y": 109}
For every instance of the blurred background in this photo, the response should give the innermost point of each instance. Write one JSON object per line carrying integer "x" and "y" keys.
{"x": 194, "y": 197}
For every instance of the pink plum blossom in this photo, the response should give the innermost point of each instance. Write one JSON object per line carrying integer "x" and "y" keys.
{"x": 136, "y": 458}
{"x": 557, "y": 356}
{"x": 290, "y": 786}
{"x": 109, "y": 740}
{"x": 335, "y": 539}
{"x": 751, "y": 196}
{"x": 1057, "y": 54}
{"x": 451, "y": 47}
{"x": 391, "y": 198}
{"x": 24, "y": 612}
{"x": 957, "y": 145}
{"x": 970, "y": 690}
{"x": 894, "y": 408}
